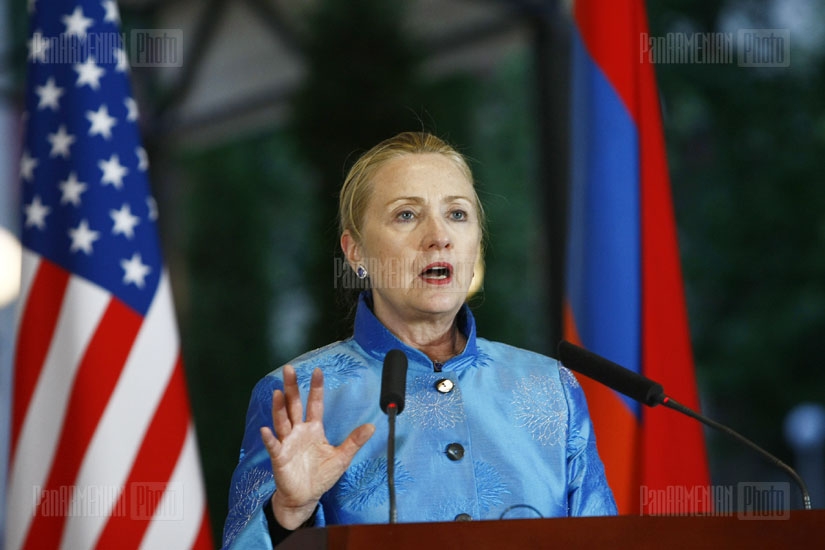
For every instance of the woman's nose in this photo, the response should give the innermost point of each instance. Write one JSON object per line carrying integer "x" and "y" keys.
{"x": 437, "y": 234}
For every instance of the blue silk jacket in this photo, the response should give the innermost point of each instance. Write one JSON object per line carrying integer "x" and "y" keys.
{"x": 520, "y": 419}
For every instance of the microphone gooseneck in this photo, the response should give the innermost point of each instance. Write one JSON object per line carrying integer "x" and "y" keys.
{"x": 652, "y": 393}
{"x": 671, "y": 403}
{"x": 393, "y": 393}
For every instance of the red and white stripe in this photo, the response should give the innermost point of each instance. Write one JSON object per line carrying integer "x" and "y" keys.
{"x": 100, "y": 414}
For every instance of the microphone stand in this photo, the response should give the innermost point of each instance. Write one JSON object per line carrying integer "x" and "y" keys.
{"x": 392, "y": 411}
{"x": 393, "y": 391}
{"x": 675, "y": 405}
{"x": 645, "y": 390}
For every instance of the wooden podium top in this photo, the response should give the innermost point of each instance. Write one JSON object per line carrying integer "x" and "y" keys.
{"x": 800, "y": 528}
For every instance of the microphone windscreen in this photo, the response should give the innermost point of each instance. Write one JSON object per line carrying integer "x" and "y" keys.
{"x": 610, "y": 374}
{"x": 394, "y": 380}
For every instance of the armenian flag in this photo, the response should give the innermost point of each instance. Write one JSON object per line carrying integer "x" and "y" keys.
{"x": 624, "y": 290}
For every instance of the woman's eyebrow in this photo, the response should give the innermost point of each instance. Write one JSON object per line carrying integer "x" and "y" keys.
{"x": 421, "y": 200}
{"x": 417, "y": 200}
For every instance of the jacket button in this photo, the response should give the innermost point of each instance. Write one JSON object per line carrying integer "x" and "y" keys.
{"x": 464, "y": 517}
{"x": 455, "y": 451}
{"x": 444, "y": 385}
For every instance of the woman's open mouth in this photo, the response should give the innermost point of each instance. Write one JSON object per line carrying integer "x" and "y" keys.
{"x": 438, "y": 273}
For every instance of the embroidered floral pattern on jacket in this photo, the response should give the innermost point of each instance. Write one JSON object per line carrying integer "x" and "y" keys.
{"x": 540, "y": 407}
{"x": 247, "y": 496}
{"x": 568, "y": 378}
{"x": 430, "y": 408}
{"x": 339, "y": 369}
{"x": 364, "y": 485}
{"x": 491, "y": 488}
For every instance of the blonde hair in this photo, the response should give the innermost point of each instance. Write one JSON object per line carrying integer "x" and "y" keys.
{"x": 357, "y": 188}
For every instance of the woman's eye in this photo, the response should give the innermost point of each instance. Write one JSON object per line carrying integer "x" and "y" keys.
{"x": 458, "y": 215}
{"x": 406, "y": 215}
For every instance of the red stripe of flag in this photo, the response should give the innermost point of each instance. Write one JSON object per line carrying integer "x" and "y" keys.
{"x": 153, "y": 466}
{"x": 204, "y": 538}
{"x": 671, "y": 450}
{"x": 96, "y": 379}
{"x": 666, "y": 352}
{"x": 611, "y": 32}
{"x": 37, "y": 326}
{"x": 619, "y": 439}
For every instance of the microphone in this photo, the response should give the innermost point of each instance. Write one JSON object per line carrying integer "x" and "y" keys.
{"x": 393, "y": 392}
{"x": 645, "y": 390}
{"x": 612, "y": 375}
{"x": 394, "y": 381}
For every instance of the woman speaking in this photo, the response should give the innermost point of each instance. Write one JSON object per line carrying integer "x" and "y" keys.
{"x": 489, "y": 431}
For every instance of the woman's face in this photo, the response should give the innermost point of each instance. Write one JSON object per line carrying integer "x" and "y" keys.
{"x": 421, "y": 237}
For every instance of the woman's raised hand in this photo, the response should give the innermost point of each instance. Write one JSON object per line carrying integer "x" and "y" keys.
{"x": 304, "y": 463}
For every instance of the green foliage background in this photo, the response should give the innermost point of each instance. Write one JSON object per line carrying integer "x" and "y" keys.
{"x": 745, "y": 149}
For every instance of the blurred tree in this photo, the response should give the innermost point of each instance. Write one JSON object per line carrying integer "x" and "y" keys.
{"x": 361, "y": 87}
{"x": 225, "y": 340}
{"x": 510, "y": 308}
{"x": 745, "y": 149}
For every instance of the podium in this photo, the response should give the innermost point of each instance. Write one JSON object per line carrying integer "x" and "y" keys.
{"x": 805, "y": 528}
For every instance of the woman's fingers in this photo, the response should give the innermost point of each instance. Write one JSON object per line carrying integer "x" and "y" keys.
{"x": 355, "y": 440}
{"x": 280, "y": 419}
{"x": 293, "y": 395}
{"x": 273, "y": 446}
{"x": 315, "y": 400}
{"x": 287, "y": 410}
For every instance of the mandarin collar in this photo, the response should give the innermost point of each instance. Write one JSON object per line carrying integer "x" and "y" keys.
{"x": 377, "y": 340}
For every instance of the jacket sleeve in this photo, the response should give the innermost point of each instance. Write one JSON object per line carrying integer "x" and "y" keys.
{"x": 588, "y": 491}
{"x": 252, "y": 482}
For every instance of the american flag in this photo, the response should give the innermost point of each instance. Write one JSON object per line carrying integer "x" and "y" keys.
{"x": 103, "y": 449}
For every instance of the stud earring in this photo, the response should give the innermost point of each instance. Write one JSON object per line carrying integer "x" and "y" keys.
{"x": 361, "y": 272}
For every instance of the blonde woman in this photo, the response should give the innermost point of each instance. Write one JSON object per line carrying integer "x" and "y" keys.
{"x": 489, "y": 430}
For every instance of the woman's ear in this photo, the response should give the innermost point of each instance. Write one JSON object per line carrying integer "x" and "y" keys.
{"x": 351, "y": 248}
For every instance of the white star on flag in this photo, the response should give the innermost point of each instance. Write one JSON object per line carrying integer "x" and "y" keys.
{"x": 122, "y": 65}
{"x": 152, "y": 204}
{"x": 143, "y": 159}
{"x": 71, "y": 189}
{"x": 27, "y": 166}
{"x": 37, "y": 47}
{"x": 76, "y": 23}
{"x": 49, "y": 95}
{"x": 113, "y": 171}
{"x": 83, "y": 237}
{"x": 112, "y": 13}
{"x": 131, "y": 108}
{"x": 61, "y": 141}
{"x": 135, "y": 270}
{"x": 125, "y": 221}
{"x": 101, "y": 122}
{"x": 89, "y": 73}
{"x": 36, "y": 213}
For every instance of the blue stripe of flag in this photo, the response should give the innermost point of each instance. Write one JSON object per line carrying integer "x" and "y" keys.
{"x": 603, "y": 265}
